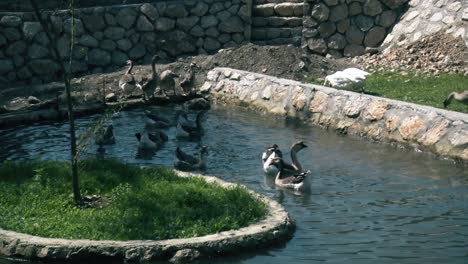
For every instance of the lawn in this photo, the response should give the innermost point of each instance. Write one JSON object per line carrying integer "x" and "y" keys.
{"x": 135, "y": 202}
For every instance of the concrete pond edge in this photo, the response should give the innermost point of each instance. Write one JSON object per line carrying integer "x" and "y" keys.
{"x": 422, "y": 128}
{"x": 276, "y": 228}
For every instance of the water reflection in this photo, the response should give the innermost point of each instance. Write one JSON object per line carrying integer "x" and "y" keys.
{"x": 368, "y": 203}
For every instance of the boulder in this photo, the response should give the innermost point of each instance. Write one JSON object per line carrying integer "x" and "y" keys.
{"x": 6, "y": 66}
{"x": 375, "y": 36}
{"x": 320, "y": 12}
{"x": 24, "y": 73}
{"x": 124, "y": 44}
{"x": 88, "y": 41}
{"x": 12, "y": 34}
{"x": 339, "y": 12}
{"x": 176, "y": 11}
{"x": 327, "y": 29}
{"x": 17, "y": 47}
{"x": 232, "y": 25}
{"x": 126, "y": 17}
{"x": 114, "y": 33}
{"x": 337, "y": 42}
{"x": 149, "y": 11}
{"x": 372, "y": 7}
{"x": 216, "y": 7}
{"x": 364, "y": 23}
{"x": 200, "y": 9}
{"x": 93, "y": 22}
{"x": 37, "y": 51}
{"x": 354, "y": 35}
{"x": 99, "y": 57}
{"x": 110, "y": 19}
{"x": 187, "y": 23}
{"x": 10, "y": 21}
{"x": 119, "y": 58}
{"x": 30, "y": 29}
{"x": 284, "y": 9}
{"x": 387, "y": 18}
{"x": 353, "y": 50}
{"x": 3, "y": 40}
{"x": 211, "y": 44}
{"x": 57, "y": 24}
{"x": 78, "y": 29}
{"x": 44, "y": 67}
{"x": 107, "y": 44}
{"x": 165, "y": 24}
{"x": 143, "y": 24}
{"x": 394, "y": 4}
{"x": 354, "y": 9}
{"x": 208, "y": 21}
{"x": 137, "y": 52}
{"x": 317, "y": 46}
{"x": 343, "y": 25}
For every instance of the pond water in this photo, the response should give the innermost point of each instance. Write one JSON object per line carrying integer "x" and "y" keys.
{"x": 368, "y": 203}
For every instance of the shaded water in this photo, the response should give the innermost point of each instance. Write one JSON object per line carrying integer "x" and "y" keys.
{"x": 368, "y": 203}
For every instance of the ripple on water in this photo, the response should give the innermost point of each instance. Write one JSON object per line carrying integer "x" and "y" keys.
{"x": 368, "y": 203}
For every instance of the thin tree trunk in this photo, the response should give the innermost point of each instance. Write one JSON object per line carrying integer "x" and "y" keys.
{"x": 66, "y": 79}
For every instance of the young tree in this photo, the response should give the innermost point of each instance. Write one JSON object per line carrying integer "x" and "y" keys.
{"x": 66, "y": 79}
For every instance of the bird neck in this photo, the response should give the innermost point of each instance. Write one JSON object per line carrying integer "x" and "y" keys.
{"x": 201, "y": 158}
{"x": 153, "y": 68}
{"x": 295, "y": 161}
{"x": 129, "y": 71}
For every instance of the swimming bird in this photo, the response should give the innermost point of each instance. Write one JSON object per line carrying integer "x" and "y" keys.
{"x": 146, "y": 144}
{"x": 289, "y": 168}
{"x": 127, "y": 82}
{"x": 187, "y": 130}
{"x": 461, "y": 97}
{"x": 186, "y": 162}
{"x": 150, "y": 85}
{"x": 167, "y": 81}
{"x": 156, "y": 121}
{"x": 271, "y": 152}
{"x": 298, "y": 182}
{"x": 187, "y": 82}
{"x": 105, "y": 136}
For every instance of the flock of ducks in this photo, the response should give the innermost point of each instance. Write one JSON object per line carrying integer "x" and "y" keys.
{"x": 156, "y": 85}
{"x": 153, "y": 138}
{"x": 287, "y": 175}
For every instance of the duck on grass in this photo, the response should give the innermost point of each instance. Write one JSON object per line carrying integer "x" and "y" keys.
{"x": 129, "y": 202}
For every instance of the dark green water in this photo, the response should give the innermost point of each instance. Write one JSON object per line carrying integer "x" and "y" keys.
{"x": 369, "y": 203}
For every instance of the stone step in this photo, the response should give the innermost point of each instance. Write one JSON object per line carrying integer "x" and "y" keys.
{"x": 296, "y": 41}
{"x": 275, "y": 21}
{"x": 282, "y": 10}
{"x": 267, "y": 33}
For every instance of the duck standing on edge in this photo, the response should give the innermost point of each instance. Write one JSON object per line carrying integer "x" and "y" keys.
{"x": 186, "y": 162}
{"x": 187, "y": 82}
{"x": 167, "y": 81}
{"x": 299, "y": 182}
{"x": 127, "y": 82}
{"x": 149, "y": 86}
{"x": 461, "y": 97}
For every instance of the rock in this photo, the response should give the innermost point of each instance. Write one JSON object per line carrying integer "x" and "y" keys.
{"x": 309, "y": 22}
{"x": 165, "y": 24}
{"x": 372, "y": 7}
{"x": 353, "y": 50}
{"x": 343, "y": 25}
{"x": 137, "y": 52}
{"x": 375, "y": 110}
{"x": 244, "y": 13}
{"x": 37, "y": 51}
{"x": 223, "y": 16}
{"x": 111, "y": 97}
{"x": 465, "y": 14}
{"x": 354, "y": 9}
{"x": 12, "y": 34}
{"x": 176, "y": 11}
{"x": 30, "y": 29}
{"x": 197, "y": 31}
{"x": 43, "y": 67}
{"x": 88, "y": 41}
{"x": 364, "y": 23}
{"x": 126, "y": 17}
{"x": 309, "y": 33}
{"x": 197, "y": 104}
{"x": 212, "y": 32}
{"x": 24, "y": 73}
{"x": 339, "y": 12}
{"x": 10, "y": 21}
{"x": 57, "y": 24}
{"x": 327, "y": 29}
{"x": 149, "y": 11}
{"x": 354, "y": 35}
{"x": 284, "y": 9}
{"x": 435, "y": 133}
{"x": 211, "y": 44}
{"x": 99, "y": 57}
{"x": 63, "y": 46}
{"x": 265, "y": 10}
{"x": 216, "y": 7}
{"x": 331, "y": 2}
{"x": 185, "y": 256}
{"x": 3, "y": 40}
{"x": 107, "y": 44}
{"x": 110, "y": 19}
{"x": 208, "y": 21}
{"x": 17, "y": 47}
{"x": 234, "y": 24}
{"x": 337, "y": 42}
{"x": 124, "y": 44}
{"x": 223, "y": 38}
{"x": 387, "y": 18}
{"x": 187, "y": 23}
{"x": 317, "y": 45}
{"x": 42, "y": 38}
{"x": 410, "y": 126}
{"x": 93, "y": 22}
{"x": 143, "y": 24}
{"x": 375, "y": 36}
{"x": 200, "y": 9}
{"x": 394, "y": 4}
{"x": 319, "y": 102}
{"x": 78, "y": 29}
{"x": 320, "y": 12}
{"x": 114, "y": 33}
{"x": 6, "y": 66}
{"x": 119, "y": 58}
{"x": 18, "y": 60}
{"x": 33, "y": 100}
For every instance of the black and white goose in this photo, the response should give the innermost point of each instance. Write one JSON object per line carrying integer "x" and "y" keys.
{"x": 299, "y": 181}
{"x": 289, "y": 168}
{"x": 186, "y": 162}
{"x": 187, "y": 82}
{"x": 270, "y": 153}
{"x": 127, "y": 82}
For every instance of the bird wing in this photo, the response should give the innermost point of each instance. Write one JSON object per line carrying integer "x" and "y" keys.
{"x": 182, "y": 156}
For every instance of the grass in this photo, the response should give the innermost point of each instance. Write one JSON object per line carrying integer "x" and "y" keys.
{"x": 422, "y": 89}
{"x": 143, "y": 203}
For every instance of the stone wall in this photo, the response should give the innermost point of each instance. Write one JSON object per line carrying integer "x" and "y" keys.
{"x": 444, "y": 133}
{"x": 276, "y": 22}
{"x": 348, "y": 27}
{"x": 425, "y": 17}
{"x": 105, "y": 37}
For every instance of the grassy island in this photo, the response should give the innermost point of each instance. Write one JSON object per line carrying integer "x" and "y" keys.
{"x": 128, "y": 202}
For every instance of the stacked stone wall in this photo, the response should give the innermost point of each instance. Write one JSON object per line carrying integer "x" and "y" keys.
{"x": 106, "y": 37}
{"x": 276, "y": 22}
{"x": 348, "y": 27}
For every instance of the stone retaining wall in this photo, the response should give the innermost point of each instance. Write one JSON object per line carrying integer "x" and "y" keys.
{"x": 444, "y": 133}
{"x": 339, "y": 27}
{"x": 106, "y": 37}
{"x": 276, "y": 227}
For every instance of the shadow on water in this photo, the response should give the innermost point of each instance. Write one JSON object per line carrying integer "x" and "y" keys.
{"x": 368, "y": 203}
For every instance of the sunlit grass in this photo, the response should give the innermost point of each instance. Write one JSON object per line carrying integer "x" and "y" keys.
{"x": 142, "y": 203}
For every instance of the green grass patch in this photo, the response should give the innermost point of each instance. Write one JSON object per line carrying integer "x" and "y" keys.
{"x": 419, "y": 89}
{"x": 140, "y": 203}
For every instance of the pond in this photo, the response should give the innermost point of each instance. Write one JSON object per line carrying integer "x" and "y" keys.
{"x": 368, "y": 203}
